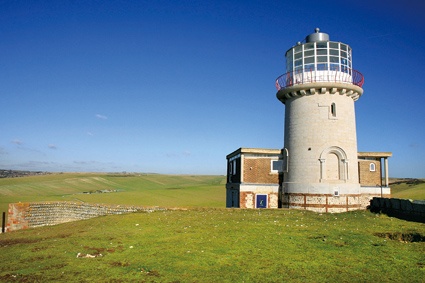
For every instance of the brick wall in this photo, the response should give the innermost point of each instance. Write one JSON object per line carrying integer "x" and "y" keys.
{"x": 258, "y": 170}
{"x": 367, "y": 177}
{"x": 31, "y": 215}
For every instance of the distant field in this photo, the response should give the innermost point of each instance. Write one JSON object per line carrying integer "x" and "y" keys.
{"x": 409, "y": 189}
{"x": 141, "y": 189}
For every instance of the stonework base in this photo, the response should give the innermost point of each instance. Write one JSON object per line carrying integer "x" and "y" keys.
{"x": 324, "y": 203}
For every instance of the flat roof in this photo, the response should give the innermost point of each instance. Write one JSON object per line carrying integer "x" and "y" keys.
{"x": 374, "y": 154}
{"x": 279, "y": 151}
{"x": 255, "y": 150}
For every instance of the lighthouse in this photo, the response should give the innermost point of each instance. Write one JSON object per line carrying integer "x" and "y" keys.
{"x": 320, "y": 158}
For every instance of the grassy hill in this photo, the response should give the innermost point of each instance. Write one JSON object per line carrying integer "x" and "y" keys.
{"x": 130, "y": 189}
{"x": 408, "y": 189}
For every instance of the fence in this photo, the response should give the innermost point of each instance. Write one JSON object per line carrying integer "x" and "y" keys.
{"x": 310, "y": 75}
{"x": 400, "y": 208}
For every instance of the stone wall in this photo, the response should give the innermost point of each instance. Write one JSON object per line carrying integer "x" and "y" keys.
{"x": 31, "y": 215}
{"x": 400, "y": 208}
{"x": 324, "y": 203}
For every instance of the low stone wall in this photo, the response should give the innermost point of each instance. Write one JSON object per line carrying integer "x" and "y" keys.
{"x": 30, "y": 215}
{"x": 400, "y": 208}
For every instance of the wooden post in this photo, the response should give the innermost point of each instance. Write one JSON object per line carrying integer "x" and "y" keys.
{"x": 3, "y": 223}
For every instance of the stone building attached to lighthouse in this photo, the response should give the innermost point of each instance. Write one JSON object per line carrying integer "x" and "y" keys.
{"x": 319, "y": 167}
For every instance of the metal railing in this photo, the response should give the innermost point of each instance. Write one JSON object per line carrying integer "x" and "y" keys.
{"x": 303, "y": 76}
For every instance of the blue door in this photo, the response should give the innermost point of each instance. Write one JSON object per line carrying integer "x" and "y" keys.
{"x": 261, "y": 201}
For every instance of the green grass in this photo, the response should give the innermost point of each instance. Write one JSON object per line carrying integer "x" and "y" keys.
{"x": 206, "y": 243}
{"x": 404, "y": 190}
{"x": 143, "y": 189}
{"x": 218, "y": 245}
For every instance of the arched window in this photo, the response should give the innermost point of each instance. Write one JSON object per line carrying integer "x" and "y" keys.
{"x": 372, "y": 167}
{"x": 333, "y": 164}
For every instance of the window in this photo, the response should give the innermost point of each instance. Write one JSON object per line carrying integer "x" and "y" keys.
{"x": 372, "y": 167}
{"x": 309, "y": 46}
{"x": 309, "y": 53}
{"x": 336, "y": 192}
{"x": 276, "y": 166}
{"x": 322, "y": 67}
{"x": 309, "y": 60}
{"x": 334, "y": 59}
{"x": 234, "y": 167}
{"x": 322, "y": 52}
{"x": 333, "y": 45}
{"x": 333, "y": 110}
{"x": 322, "y": 59}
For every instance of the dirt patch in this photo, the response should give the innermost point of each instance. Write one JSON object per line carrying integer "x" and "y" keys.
{"x": 119, "y": 264}
{"x": 11, "y": 242}
{"x": 402, "y": 237}
{"x": 20, "y": 278}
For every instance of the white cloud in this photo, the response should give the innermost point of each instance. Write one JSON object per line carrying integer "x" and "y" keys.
{"x": 102, "y": 117}
{"x": 17, "y": 142}
{"x": 52, "y": 146}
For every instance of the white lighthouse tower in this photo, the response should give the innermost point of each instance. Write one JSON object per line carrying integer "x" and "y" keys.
{"x": 319, "y": 89}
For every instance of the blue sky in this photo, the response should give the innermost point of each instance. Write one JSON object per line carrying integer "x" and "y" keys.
{"x": 174, "y": 86}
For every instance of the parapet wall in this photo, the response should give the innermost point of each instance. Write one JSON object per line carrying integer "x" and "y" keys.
{"x": 31, "y": 215}
{"x": 400, "y": 208}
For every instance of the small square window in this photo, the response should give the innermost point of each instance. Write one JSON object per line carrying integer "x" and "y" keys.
{"x": 333, "y": 45}
{"x": 276, "y": 166}
{"x": 336, "y": 192}
{"x": 309, "y": 60}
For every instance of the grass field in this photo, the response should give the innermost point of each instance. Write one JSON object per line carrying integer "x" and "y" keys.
{"x": 409, "y": 190}
{"x": 206, "y": 243}
{"x": 134, "y": 189}
{"x": 219, "y": 245}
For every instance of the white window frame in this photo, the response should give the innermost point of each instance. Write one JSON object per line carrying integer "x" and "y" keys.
{"x": 336, "y": 192}
{"x": 280, "y": 167}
